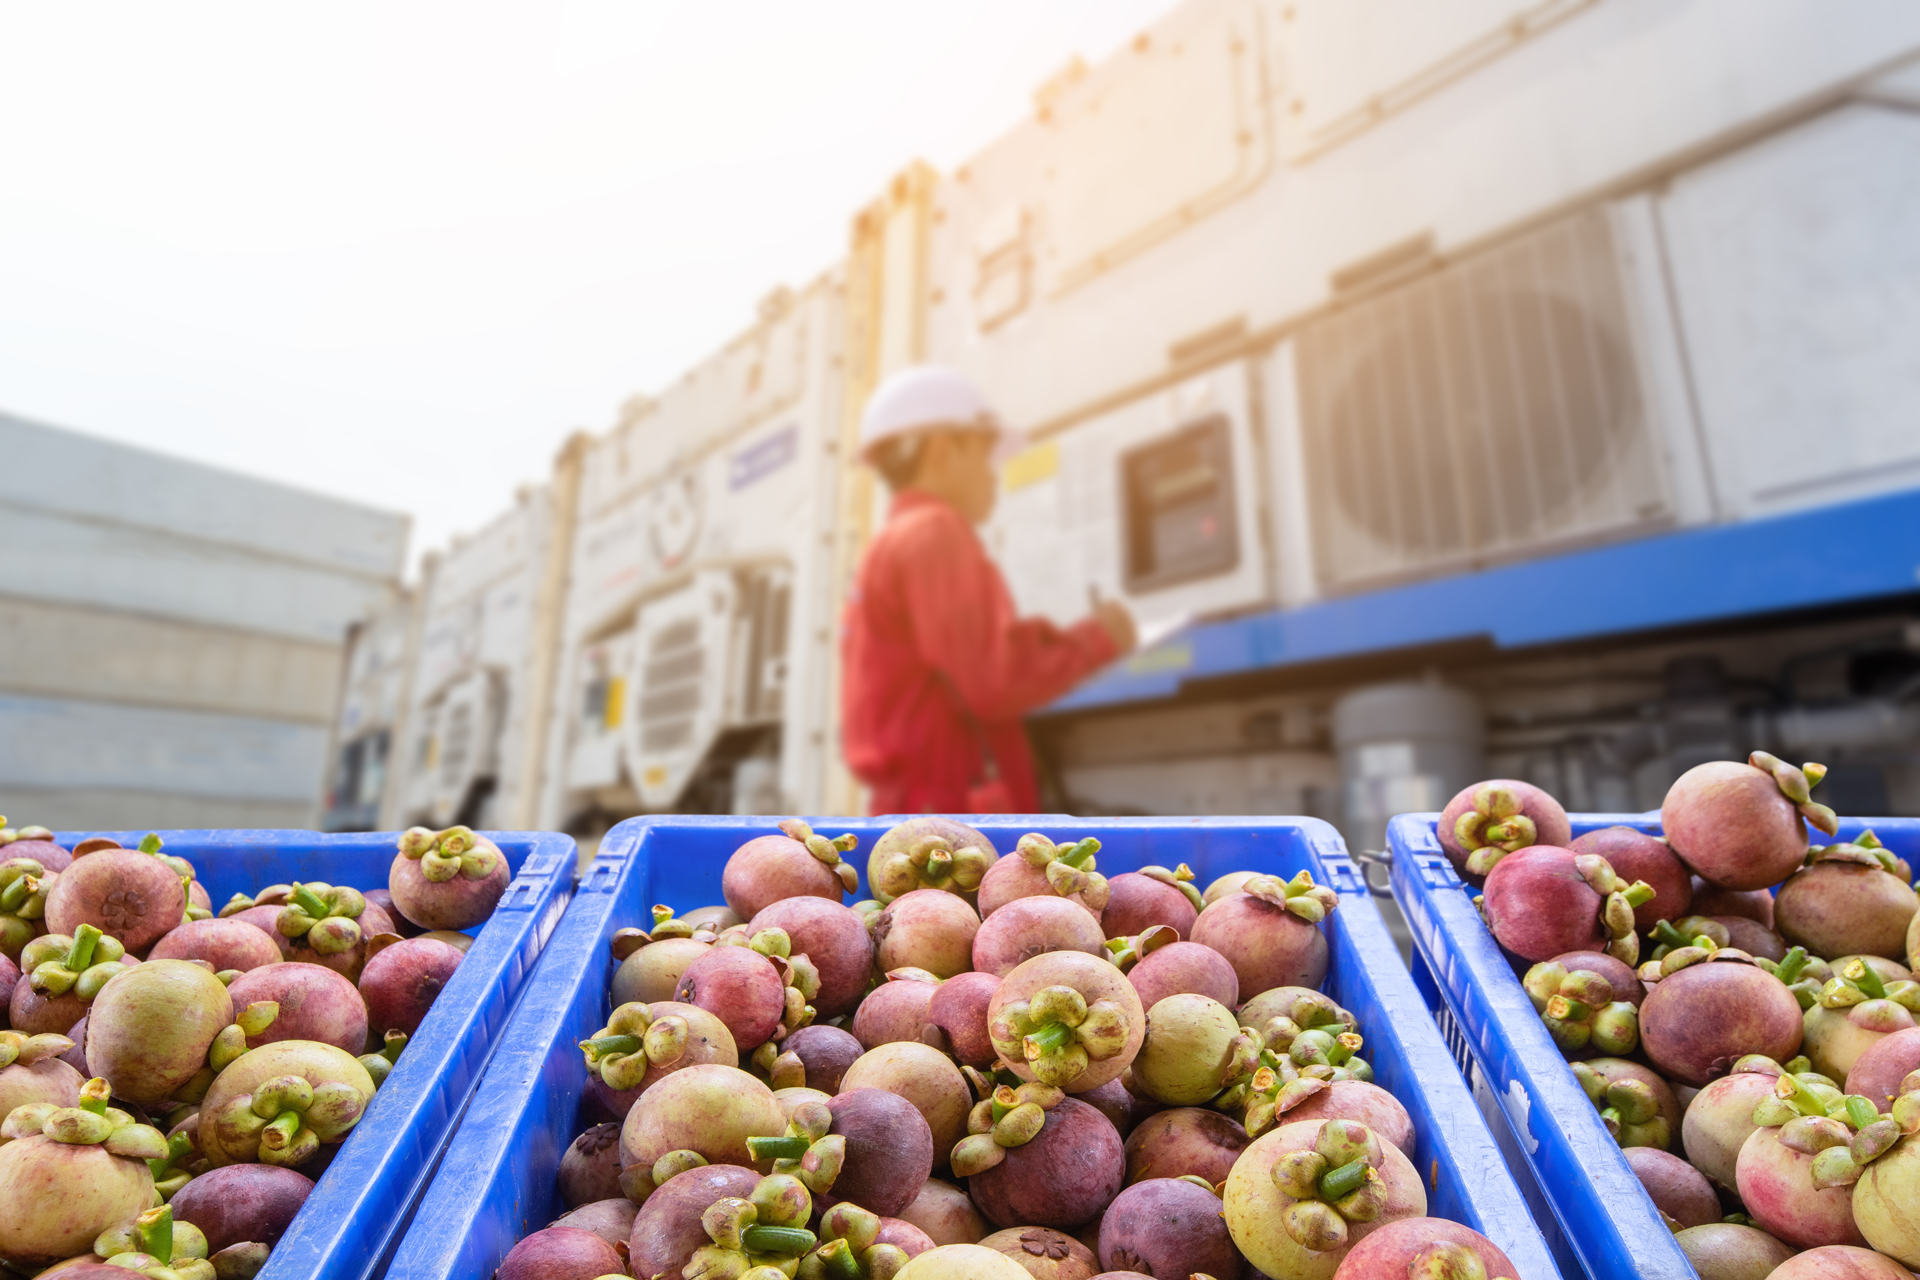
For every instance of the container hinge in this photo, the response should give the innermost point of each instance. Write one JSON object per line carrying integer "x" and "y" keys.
{"x": 1343, "y": 876}
{"x": 604, "y": 874}
{"x": 1438, "y": 871}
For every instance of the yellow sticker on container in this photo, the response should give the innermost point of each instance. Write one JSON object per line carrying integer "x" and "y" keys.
{"x": 1031, "y": 466}
{"x": 616, "y": 709}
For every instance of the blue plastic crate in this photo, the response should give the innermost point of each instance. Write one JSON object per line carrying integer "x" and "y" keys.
{"x": 1585, "y": 1195}
{"x": 497, "y": 1182}
{"x": 357, "y": 1212}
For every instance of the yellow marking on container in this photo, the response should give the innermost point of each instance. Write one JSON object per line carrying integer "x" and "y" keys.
{"x": 616, "y": 709}
{"x": 1031, "y": 466}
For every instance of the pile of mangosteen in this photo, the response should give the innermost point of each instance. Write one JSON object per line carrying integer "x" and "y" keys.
{"x": 1737, "y": 1000}
{"x": 172, "y": 1079}
{"x": 998, "y": 1068}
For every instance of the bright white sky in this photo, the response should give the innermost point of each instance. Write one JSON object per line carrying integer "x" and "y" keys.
{"x": 397, "y": 252}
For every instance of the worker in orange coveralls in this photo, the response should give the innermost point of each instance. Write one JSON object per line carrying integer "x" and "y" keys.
{"x": 937, "y": 668}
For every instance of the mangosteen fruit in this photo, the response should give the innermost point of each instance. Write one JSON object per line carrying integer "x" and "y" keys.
{"x": 740, "y": 986}
{"x": 834, "y": 938}
{"x": 1066, "y": 1019}
{"x": 926, "y": 929}
{"x": 958, "y": 1008}
{"x": 1139, "y": 900}
{"x": 945, "y": 1214}
{"x": 1878, "y": 1072}
{"x": 896, "y": 1010}
{"x": 1185, "y": 1142}
{"x": 1635, "y": 1103}
{"x": 1720, "y": 1119}
{"x": 1547, "y": 900}
{"x": 651, "y": 961}
{"x": 1040, "y": 868}
{"x": 148, "y": 1031}
{"x": 963, "y": 1262}
{"x": 1621, "y": 978}
{"x": 904, "y": 1236}
{"x": 1193, "y": 1048}
{"x": 1488, "y": 820}
{"x": 889, "y": 1151}
{"x": 60, "y": 978}
{"x": 1579, "y": 1010}
{"x": 560, "y": 1253}
{"x": 928, "y": 852}
{"x": 667, "y": 1230}
{"x": 1167, "y": 1227}
{"x": 1035, "y": 1157}
{"x": 1184, "y": 967}
{"x": 1729, "y": 1251}
{"x": 793, "y": 864}
{"x": 236, "y": 1203}
{"x": 590, "y": 1169}
{"x": 401, "y": 982}
{"x": 1711, "y": 900}
{"x": 1774, "y": 1176}
{"x": 225, "y": 944}
{"x": 824, "y": 1054}
{"x": 1847, "y": 899}
{"x": 1839, "y": 1262}
{"x": 448, "y": 879}
{"x": 1715, "y": 1008}
{"x": 1043, "y": 1253}
{"x": 1303, "y": 1195}
{"x": 280, "y": 1103}
{"x": 1743, "y": 826}
{"x": 1424, "y": 1249}
{"x": 1752, "y": 937}
{"x": 315, "y": 1003}
{"x": 923, "y": 1076}
{"x": 33, "y": 1070}
{"x": 1033, "y": 926}
{"x": 131, "y": 894}
{"x": 69, "y": 1173}
{"x": 1309, "y": 1099}
{"x": 1854, "y": 1011}
{"x": 1270, "y": 931}
{"x": 1677, "y": 1189}
{"x": 611, "y": 1219}
{"x": 709, "y": 1109}
{"x": 1637, "y": 856}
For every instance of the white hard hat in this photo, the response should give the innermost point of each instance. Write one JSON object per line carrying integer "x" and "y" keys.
{"x": 921, "y": 397}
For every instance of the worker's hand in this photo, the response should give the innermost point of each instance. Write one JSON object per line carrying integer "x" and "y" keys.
{"x": 1113, "y": 615}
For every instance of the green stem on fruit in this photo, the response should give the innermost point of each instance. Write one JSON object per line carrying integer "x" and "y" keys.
{"x": 1791, "y": 1090}
{"x": 154, "y": 1230}
{"x": 837, "y": 1257}
{"x": 1336, "y": 1183}
{"x": 1860, "y": 1111}
{"x": 781, "y": 1240}
{"x": 784, "y": 1147}
{"x": 308, "y": 901}
{"x": 1050, "y": 1038}
{"x": 1076, "y": 855}
{"x": 1867, "y": 978}
{"x": 606, "y": 1046}
{"x": 1638, "y": 894}
{"x": 94, "y": 1096}
{"x": 16, "y": 893}
{"x": 1791, "y": 965}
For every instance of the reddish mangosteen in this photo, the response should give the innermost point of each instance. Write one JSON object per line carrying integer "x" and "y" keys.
{"x": 1059, "y": 1165}
{"x": 1840, "y": 1262}
{"x": 1185, "y": 1142}
{"x": 224, "y": 944}
{"x": 1711, "y": 900}
{"x": 560, "y": 1253}
{"x": 1040, "y": 868}
{"x": 1677, "y": 1189}
{"x": 1424, "y": 1249}
{"x": 1290, "y": 1205}
{"x": 38, "y": 843}
{"x": 652, "y": 960}
{"x": 1878, "y": 1072}
{"x": 1743, "y": 826}
{"x": 928, "y": 852}
{"x": 448, "y": 879}
{"x": 667, "y": 1230}
{"x": 824, "y": 1053}
{"x": 315, "y": 1004}
{"x": 1637, "y": 1105}
{"x": 1033, "y": 926}
{"x": 1491, "y": 819}
{"x": 131, "y": 894}
{"x": 1850, "y": 1015}
{"x": 742, "y": 988}
{"x": 904, "y": 1236}
{"x": 1699, "y": 1019}
{"x": 834, "y": 937}
{"x": 926, "y": 929}
{"x": 1849, "y": 898}
{"x": 1634, "y": 855}
{"x": 1728, "y": 1251}
{"x": 401, "y": 982}
{"x": 1044, "y": 1254}
{"x": 61, "y": 976}
{"x": 236, "y": 1203}
{"x": 794, "y": 864}
{"x": 590, "y": 1169}
{"x": 1067, "y": 1019}
{"x": 1774, "y": 1176}
{"x": 610, "y": 1219}
{"x": 1752, "y": 937}
{"x": 1184, "y": 967}
{"x": 945, "y": 1214}
{"x": 1120, "y": 1105}
{"x": 383, "y": 899}
{"x": 1544, "y": 901}
{"x": 1139, "y": 900}
{"x": 37, "y": 1072}
{"x": 264, "y": 917}
{"x": 148, "y": 1031}
{"x": 1270, "y": 931}
{"x": 643, "y": 1043}
{"x": 889, "y": 1151}
{"x": 896, "y": 1010}
{"x": 958, "y": 1007}
{"x": 1167, "y": 1226}
{"x": 923, "y": 1076}
{"x": 709, "y": 1109}
{"x": 1357, "y": 1100}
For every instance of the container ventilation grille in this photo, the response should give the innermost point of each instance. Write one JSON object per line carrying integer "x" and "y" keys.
{"x": 670, "y": 694}
{"x": 1483, "y": 412}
